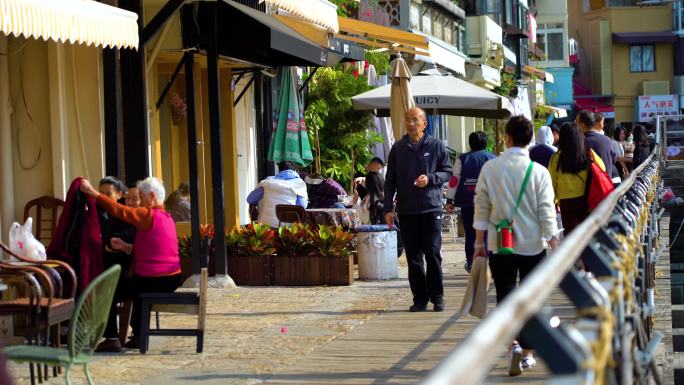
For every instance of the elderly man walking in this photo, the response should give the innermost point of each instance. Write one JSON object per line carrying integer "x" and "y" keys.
{"x": 417, "y": 167}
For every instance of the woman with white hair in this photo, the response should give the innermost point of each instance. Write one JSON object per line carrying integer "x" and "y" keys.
{"x": 156, "y": 262}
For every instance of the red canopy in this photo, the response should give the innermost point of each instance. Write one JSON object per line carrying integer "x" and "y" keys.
{"x": 585, "y": 101}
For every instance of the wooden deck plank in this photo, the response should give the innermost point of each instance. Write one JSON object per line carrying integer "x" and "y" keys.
{"x": 399, "y": 347}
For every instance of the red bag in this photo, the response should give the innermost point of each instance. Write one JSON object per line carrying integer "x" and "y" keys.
{"x": 599, "y": 184}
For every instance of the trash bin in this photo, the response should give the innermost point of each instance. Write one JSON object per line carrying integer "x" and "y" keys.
{"x": 377, "y": 250}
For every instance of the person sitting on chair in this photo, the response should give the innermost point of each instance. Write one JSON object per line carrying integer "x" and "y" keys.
{"x": 156, "y": 264}
{"x": 178, "y": 203}
{"x": 285, "y": 188}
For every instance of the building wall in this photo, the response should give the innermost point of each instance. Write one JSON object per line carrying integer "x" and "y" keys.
{"x": 628, "y": 85}
{"x": 31, "y": 136}
{"x": 56, "y": 118}
{"x": 548, "y": 12}
{"x": 604, "y": 65}
{"x": 560, "y": 91}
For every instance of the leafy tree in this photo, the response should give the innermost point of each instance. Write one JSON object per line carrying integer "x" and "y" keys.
{"x": 339, "y": 134}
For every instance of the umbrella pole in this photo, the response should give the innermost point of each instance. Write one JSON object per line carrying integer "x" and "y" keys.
{"x": 435, "y": 125}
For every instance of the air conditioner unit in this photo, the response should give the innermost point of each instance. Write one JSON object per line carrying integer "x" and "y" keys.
{"x": 655, "y": 88}
{"x": 678, "y": 85}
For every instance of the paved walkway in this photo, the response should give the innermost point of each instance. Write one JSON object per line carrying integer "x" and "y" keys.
{"x": 254, "y": 332}
{"x": 361, "y": 334}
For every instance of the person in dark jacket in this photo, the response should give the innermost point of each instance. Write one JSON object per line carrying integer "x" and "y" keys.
{"x": 601, "y": 144}
{"x": 462, "y": 187}
{"x": 642, "y": 146}
{"x": 417, "y": 168}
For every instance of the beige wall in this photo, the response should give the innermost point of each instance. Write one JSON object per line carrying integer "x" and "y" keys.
{"x": 31, "y": 144}
{"x": 56, "y": 118}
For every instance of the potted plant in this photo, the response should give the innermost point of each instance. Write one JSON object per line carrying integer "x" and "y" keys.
{"x": 312, "y": 257}
{"x": 251, "y": 248}
{"x": 185, "y": 251}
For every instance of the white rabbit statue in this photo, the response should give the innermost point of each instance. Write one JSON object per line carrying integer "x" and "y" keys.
{"x": 23, "y": 243}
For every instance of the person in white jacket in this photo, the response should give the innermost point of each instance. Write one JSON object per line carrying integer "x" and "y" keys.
{"x": 534, "y": 222}
{"x": 285, "y": 188}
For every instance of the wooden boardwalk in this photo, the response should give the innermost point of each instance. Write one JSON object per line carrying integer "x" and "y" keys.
{"x": 399, "y": 347}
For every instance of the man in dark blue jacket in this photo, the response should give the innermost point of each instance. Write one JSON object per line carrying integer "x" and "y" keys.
{"x": 461, "y": 192}
{"x": 417, "y": 168}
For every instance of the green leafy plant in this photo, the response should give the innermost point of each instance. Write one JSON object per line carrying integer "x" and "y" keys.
{"x": 339, "y": 133}
{"x": 379, "y": 59}
{"x": 295, "y": 239}
{"x": 507, "y": 84}
{"x": 252, "y": 240}
{"x": 185, "y": 241}
{"x": 346, "y": 8}
{"x": 333, "y": 241}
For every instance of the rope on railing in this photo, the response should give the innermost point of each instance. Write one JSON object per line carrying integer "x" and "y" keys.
{"x": 472, "y": 359}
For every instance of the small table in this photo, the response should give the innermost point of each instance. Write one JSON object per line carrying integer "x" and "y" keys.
{"x": 347, "y": 218}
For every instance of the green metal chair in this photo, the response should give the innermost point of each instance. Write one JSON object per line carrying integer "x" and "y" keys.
{"x": 86, "y": 327}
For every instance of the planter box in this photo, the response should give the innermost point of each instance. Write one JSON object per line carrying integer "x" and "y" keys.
{"x": 312, "y": 270}
{"x": 245, "y": 271}
{"x": 250, "y": 271}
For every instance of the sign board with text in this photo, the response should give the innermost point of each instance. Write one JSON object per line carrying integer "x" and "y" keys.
{"x": 649, "y": 106}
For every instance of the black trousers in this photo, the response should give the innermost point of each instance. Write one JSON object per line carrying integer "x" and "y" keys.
{"x": 467, "y": 214}
{"x": 130, "y": 288}
{"x": 505, "y": 269}
{"x": 422, "y": 236}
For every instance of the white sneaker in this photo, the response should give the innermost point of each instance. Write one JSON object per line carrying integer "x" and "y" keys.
{"x": 515, "y": 359}
{"x": 528, "y": 362}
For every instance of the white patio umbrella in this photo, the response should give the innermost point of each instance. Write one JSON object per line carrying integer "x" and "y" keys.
{"x": 400, "y": 98}
{"x": 442, "y": 95}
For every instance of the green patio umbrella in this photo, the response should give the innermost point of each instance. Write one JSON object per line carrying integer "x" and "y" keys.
{"x": 289, "y": 139}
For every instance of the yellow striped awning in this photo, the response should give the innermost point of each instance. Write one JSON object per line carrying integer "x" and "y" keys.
{"x": 72, "y": 21}
{"x": 379, "y": 36}
{"x": 320, "y": 12}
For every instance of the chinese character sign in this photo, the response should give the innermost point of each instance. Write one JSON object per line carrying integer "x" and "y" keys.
{"x": 649, "y": 106}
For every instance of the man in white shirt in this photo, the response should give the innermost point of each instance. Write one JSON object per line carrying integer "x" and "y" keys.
{"x": 285, "y": 188}
{"x": 534, "y": 222}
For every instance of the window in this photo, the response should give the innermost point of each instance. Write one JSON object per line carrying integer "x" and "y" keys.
{"x": 427, "y": 22}
{"x": 439, "y": 28}
{"x": 550, "y": 40}
{"x": 509, "y": 12}
{"x": 642, "y": 58}
{"x": 492, "y": 6}
{"x": 414, "y": 17}
{"x": 461, "y": 37}
{"x": 449, "y": 32}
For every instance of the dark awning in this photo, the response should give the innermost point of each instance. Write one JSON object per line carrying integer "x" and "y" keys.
{"x": 250, "y": 35}
{"x": 644, "y": 37}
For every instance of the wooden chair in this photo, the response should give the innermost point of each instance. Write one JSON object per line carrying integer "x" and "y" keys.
{"x": 194, "y": 303}
{"x": 45, "y": 222}
{"x": 289, "y": 213}
{"x": 57, "y": 300}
